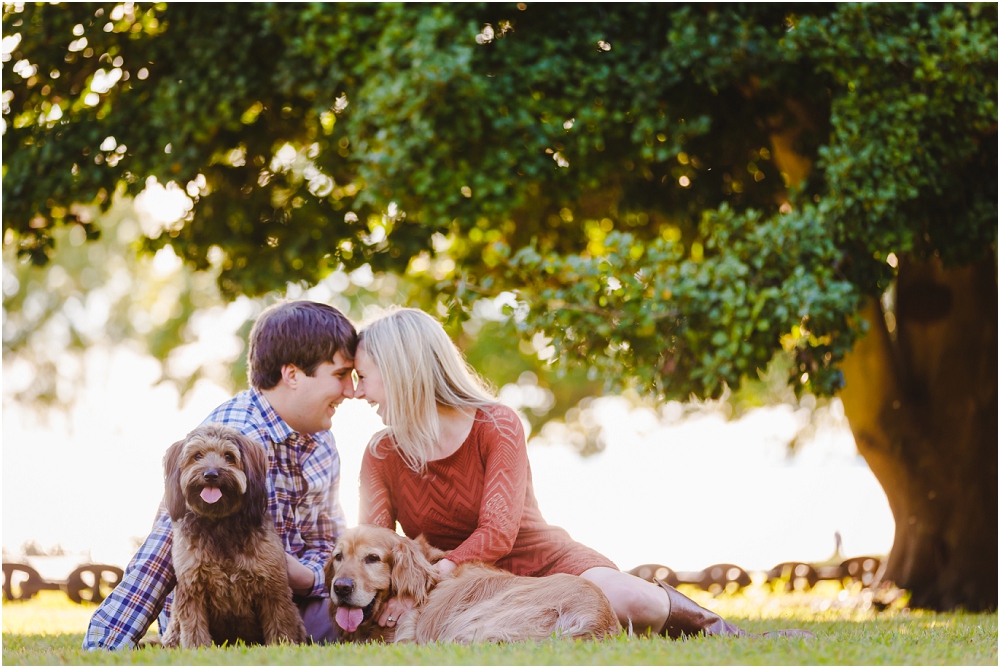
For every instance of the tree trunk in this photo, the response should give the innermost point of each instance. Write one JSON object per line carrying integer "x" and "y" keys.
{"x": 921, "y": 397}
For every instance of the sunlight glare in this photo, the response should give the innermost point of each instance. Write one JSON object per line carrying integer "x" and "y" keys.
{"x": 166, "y": 262}
{"x": 159, "y": 207}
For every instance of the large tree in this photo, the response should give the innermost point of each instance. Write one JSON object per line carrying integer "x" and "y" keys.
{"x": 673, "y": 193}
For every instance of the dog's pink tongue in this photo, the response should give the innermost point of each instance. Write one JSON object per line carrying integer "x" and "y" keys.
{"x": 349, "y": 618}
{"x": 211, "y": 494}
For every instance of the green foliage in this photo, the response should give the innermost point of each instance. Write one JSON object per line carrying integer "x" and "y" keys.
{"x": 651, "y": 305}
{"x": 497, "y": 354}
{"x": 911, "y": 164}
{"x": 674, "y": 194}
{"x": 100, "y": 294}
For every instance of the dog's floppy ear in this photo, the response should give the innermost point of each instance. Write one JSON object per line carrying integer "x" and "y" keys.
{"x": 433, "y": 554}
{"x": 173, "y": 496}
{"x": 254, "y": 459}
{"x": 412, "y": 574}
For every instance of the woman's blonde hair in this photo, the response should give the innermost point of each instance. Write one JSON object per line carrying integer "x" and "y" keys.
{"x": 421, "y": 368}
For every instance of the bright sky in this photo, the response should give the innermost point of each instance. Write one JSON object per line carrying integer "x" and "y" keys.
{"x": 686, "y": 493}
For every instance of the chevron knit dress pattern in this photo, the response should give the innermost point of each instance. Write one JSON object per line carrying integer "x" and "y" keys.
{"x": 477, "y": 502}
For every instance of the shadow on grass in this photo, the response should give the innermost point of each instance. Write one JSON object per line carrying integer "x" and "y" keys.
{"x": 888, "y": 639}
{"x": 48, "y": 630}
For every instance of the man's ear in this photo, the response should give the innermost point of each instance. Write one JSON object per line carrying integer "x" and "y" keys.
{"x": 290, "y": 375}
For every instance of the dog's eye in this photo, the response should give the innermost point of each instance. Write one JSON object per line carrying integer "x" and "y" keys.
{"x": 230, "y": 458}
{"x": 338, "y": 557}
{"x": 197, "y": 456}
{"x": 372, "y": 559}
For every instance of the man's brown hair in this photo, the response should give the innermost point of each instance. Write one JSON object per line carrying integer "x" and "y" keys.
{"x": 302, "y": 333}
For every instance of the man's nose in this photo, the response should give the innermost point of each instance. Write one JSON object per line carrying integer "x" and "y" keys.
{"x": 349, "y": 391}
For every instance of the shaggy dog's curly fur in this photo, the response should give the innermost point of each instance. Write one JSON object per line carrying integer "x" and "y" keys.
{"x": 476, "y": 603}
{"x": 232, "y": 577}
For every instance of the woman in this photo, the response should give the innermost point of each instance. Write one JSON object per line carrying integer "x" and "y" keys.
{"x": 452, "y": 464}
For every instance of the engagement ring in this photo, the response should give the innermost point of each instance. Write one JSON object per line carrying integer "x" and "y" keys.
{"x": 391, "y": 619}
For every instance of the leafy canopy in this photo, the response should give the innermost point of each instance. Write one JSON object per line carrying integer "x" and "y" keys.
{"x": 673, "y": 193}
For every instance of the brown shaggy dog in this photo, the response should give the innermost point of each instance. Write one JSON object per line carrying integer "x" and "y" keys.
{"x": 232, "y": 577}
{"x": 476, "y": 603}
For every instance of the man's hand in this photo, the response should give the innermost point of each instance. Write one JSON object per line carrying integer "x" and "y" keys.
{"x": 300, "y": 578}
{"x": 394, "y": 608}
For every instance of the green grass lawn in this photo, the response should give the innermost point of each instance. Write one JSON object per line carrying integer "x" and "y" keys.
{"x": 48, "y": 630}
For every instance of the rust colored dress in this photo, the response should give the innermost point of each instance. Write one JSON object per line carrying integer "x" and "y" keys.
{"x": 477, "y": 502}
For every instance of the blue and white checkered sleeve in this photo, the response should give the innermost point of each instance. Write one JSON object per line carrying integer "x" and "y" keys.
{"x": 325, "y": 520}
{"x": 233, "y": 413}
{"x": 239, "y": 416}
{"x": 123, "y": 618}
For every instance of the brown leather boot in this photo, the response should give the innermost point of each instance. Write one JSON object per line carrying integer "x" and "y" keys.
{"x": 687, "y": 618}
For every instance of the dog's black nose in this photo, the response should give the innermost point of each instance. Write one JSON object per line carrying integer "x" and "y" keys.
{"x": 211, "y": 475}
{"x": 343, "y": 587}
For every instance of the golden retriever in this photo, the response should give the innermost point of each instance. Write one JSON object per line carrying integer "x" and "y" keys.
{"x": 232, "y": 577}
{"x": 475, "y": 603}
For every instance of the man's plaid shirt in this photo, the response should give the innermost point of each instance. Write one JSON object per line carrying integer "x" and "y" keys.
{"x": 303, "y": 485}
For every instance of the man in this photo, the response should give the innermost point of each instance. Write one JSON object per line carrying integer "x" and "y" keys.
{"x": 300, "y": 359}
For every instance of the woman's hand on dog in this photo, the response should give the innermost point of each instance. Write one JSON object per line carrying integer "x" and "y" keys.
{"x": 445, "y": 567}
{"x": 394, "y": 608}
